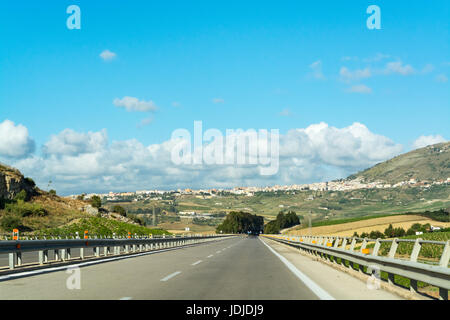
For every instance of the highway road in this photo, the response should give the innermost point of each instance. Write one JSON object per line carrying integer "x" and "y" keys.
{"x": 235, "y": 268}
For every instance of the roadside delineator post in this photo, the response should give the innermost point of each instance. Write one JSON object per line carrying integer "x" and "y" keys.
{"x": 15, "y": 234}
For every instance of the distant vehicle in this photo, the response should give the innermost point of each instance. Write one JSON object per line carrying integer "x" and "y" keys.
{"x": 435, "y": 228}
{"x": 419, "y": 233}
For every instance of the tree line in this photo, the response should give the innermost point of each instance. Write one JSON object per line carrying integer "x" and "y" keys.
{"x": 282, "y": 221}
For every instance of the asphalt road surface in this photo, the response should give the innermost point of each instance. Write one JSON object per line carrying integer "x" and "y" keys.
{"x": 235, "y": 268}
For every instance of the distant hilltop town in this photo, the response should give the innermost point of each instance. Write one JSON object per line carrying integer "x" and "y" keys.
{"x": 339, "y": 185}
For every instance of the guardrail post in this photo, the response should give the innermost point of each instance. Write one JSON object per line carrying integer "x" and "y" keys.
{"x": 344, "y": 243}
{"x": 416, "y": 250}
{"x": 363, "y": 245}
{"x": 445, "y": 257}
{"x": 97, "y": 251}
{"x": 41, "y": 257}
{"x": 443, "y": 292}
{"x": 12, "y": 260}
{"x": 69, "y": 253}
{"x": 353, "y": 244}
{"x": 414, "y": 256}
{"x": 63, "y": 254}
{"x": 56, "y": 255}
{"x": 82, "y": 253}
{"x": 376, "y": 248}
{"x": 336, "y": 243}
{"x": 392, "y": 251}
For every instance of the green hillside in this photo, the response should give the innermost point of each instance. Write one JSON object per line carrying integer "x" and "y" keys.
{"x": 426, "y": 164}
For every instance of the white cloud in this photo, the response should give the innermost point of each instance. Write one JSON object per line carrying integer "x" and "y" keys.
{"x": 399, "y": 68}
{"x": 70, "y": 142}
{"x": 107, "y": 55}
{"x": 377, "y": 57}
{"x": 15, "y": 141}
{"x": 442, "y": 78}
{"x": 428, "y": 68}
{"x": 316, "y": 68}
{"x": 347, "y": 75}
{"x": 424, "y": 141}
{"x": 360, "y": 88}
{"x": 218, "y": 100}
{"x": 348, "y": 58}
{"x": 285, "y": 112}
{"x": 134, "y": 104}
{"x": 145, "y": 122}
{"x": 85, "y": 162}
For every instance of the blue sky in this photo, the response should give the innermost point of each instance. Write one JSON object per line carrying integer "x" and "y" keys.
{"x": 231, "y": 64}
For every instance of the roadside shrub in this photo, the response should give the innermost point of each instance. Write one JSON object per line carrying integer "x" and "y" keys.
{"x": 10, "y": 222}
{"x": 52, "y": 192}
{"x": 23, "y": 209}
{"x": 21, "y": 196}
{"x": 96, "y": 202}
{"x": 120, "y": 210}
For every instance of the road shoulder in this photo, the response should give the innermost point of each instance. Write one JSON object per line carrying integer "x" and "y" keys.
{"x": 341, "y": 285}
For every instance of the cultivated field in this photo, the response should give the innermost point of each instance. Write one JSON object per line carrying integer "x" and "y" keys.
{"x": 376, "y": 224}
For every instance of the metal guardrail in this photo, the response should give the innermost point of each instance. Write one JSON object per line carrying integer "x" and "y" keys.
{"x": 62, "y": 247}
{"x": 334, "y": 248}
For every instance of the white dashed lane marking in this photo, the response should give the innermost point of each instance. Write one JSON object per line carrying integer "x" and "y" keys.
{"x": 171, "y": 276}
{"x": 196, "y": 263}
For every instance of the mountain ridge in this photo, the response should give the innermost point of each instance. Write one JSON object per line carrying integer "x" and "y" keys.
{"x": 431, "y": 163}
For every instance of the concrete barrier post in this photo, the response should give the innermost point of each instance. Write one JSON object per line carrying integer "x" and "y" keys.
{"x": 416, "y": 250}
{"x": 336, "y": 243}
{"x": 376, "y": 248}
{"x": 445, "y": 257}
{"x": 393, "y": 249}
{"x": 41, "y": 257}
{"x": 353, "y": 244}
{"x": 12, "y": 260}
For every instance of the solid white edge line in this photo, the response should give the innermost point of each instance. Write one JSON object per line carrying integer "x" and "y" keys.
{"x": 170, "y": 276}
{"x": 318, "y": 291}
{"x": 211, "y": 255}
{"x": 126, "y": 298}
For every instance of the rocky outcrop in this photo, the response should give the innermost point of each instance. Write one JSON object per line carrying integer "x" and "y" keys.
{"x": 12, "y": 182}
